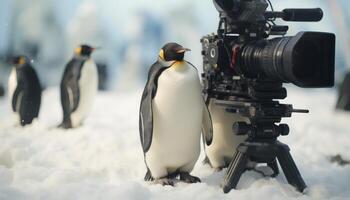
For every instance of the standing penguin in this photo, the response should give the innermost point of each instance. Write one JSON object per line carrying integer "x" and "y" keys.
{"x": 172, "y": 114}
{"x": 78, "y": 87}
{"x": 24, "y": 90}
{"x": 223, "y": 147}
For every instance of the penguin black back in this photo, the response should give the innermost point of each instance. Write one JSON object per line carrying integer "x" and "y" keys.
{"x": 26, "y": 98}
{"x": 71, "y": 91}
{"x": 69, "y": 82}
{"x": 70, "y": 79}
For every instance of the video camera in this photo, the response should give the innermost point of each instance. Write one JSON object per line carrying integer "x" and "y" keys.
{"x": 244, "y": 71}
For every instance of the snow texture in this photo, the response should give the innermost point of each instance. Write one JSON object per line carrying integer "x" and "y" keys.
{"x": 104, "y": 160}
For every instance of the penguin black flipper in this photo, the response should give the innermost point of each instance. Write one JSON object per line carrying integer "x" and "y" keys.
{"x": 66, "y": 105}
{"x": 148, "y": 176}
{"x": 35, "y": 93}
{"x": 70, "y": 89}
{"x": 17, "y": 96}
{"x": 27, "y": 95}
{"x": 146, "y": 114}
{"x": 207, "y": 125}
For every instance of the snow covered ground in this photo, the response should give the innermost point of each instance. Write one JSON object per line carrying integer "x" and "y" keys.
{"x": 103, "y": 159}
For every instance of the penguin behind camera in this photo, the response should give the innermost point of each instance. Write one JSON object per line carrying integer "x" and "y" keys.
{"x": 223, "y": 147}
{"x": 172, "y": 115}
{"x": 24, "y": 90}
{"x": 79, "y": 86}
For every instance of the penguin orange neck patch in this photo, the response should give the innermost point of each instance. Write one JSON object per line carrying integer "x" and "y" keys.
{"x": 161, "y": 54}
{"x": 178, "y": 64}
{"x": 77, "y": 51}
{"x": 21, "y": 61}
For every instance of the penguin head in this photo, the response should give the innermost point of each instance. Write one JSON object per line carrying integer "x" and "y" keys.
{"x": 84, "y": 50}
{"x": 19, "y": 61}
{"x": 172, "y": 52}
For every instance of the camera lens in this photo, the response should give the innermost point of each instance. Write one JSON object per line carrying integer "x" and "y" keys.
{"x": 306, "y": 60}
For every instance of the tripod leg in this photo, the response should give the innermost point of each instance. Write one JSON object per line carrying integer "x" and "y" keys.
{"x": 273, "y": 165}
{"x": 234, "y": 171}
{"x": 290, "y": 170}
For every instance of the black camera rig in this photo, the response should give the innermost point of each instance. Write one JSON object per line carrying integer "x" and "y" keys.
{"x": 244, "y": 72}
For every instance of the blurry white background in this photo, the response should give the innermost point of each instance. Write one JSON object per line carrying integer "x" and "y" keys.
{"x": 103, "y": 159}
{"x": 131, "y": 32}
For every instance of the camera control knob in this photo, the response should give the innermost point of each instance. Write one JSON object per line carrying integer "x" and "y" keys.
{"x": 241, "y": 128}
{"x": 212, "y": 54}
{"x": 283, "y": 129}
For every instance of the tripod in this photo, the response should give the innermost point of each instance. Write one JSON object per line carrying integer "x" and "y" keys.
{"x": 263, "y": 152}
{"x": 262, "y": 145}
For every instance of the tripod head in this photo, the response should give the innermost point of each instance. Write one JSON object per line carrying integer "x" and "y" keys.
{"x": 263, "y": 114}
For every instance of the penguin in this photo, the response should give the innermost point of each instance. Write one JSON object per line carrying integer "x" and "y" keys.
{"x": 79, "y": 87}
{"x": 221, "y": 151}
{"x": 2, "y": 91}
{"x": 171, "y": 118}
{"x": 24, "y": 90}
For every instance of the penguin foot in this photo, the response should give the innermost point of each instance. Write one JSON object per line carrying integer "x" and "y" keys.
{"x": 218, "y": 169}
{"x": 25, "y": 122}
{"x": 64, "y": 125}
{"x": 206, "y": 161}
{"x": 148, "y": 176}
{"x": 164, "y": 181}
{"x": 186, "y": 177}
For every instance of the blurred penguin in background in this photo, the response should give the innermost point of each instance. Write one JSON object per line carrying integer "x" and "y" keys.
{"x": 79, "y": 86}
{"x": 24, "y": 90}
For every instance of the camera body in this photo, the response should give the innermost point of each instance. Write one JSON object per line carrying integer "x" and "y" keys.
{"x": 306, "y": 60}
{"x": 242, "y": 66}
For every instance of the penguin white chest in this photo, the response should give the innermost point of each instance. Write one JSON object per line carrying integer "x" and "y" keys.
{"x": 177, "y": 119}
{"x": 12, "y": 84}
{"x": 225, "y": 142}
{"x": 88, "y": 86}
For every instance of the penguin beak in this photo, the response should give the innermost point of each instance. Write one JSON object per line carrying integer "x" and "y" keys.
{"x": 96, "y": 48}
{"x": 182, "y": 50}
{"x": 10, "y": 61}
